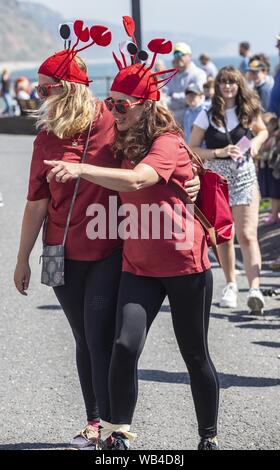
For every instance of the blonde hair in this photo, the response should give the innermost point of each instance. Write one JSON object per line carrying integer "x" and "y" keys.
{"x": 71, "y": 111}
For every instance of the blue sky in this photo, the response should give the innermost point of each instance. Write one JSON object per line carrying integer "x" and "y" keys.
{"x": 255, "y": 20}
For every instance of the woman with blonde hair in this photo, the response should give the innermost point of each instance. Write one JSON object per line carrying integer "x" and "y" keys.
{"x": 158, "y": 259}
{"x": 69, "y": 117}
{"x": 235, "y": 114}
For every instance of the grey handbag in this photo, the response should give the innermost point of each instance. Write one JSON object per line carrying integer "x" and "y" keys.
{"x": 53, "y": 255}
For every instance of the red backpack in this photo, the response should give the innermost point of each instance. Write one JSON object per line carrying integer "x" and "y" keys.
{"x": 212, "y": 206}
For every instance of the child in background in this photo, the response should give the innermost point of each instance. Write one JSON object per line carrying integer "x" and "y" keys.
{"x": 258, "y": 74}
{"x": 269, "y": 168}
{"x": 195, "y": 101}
{"x": 209, "y": 91}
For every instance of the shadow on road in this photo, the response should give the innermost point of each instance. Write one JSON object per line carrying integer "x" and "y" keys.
{"x": 234, "y": 317}
{"x": 268, "y": 344}
{"x": 226, "y": 380}
{"x": 259, "y": 326}
{"x": 34, "y": 446}
{"x": 244, "y": 317}
{"x": 49, "y": 307}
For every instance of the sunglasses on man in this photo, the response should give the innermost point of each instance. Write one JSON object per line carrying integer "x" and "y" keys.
{"x": 121, "y": 106}
{"x": 44, "y": 90}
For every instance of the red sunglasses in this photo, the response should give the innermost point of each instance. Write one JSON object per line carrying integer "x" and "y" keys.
{"x": 44, "y": 90}
{"x": 121, "y": 106}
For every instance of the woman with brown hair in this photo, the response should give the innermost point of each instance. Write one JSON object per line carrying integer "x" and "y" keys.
{"x": 70, "y": 115}
{"x": 159, "y": 259}
{"x": 235, "y": 115}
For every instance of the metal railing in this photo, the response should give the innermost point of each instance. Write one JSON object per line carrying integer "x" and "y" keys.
{"x": 101, "y": 87}
{"x": 104, "y": 89}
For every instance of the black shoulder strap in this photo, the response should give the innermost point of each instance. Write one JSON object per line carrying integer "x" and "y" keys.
{"x": 227, "y": 132}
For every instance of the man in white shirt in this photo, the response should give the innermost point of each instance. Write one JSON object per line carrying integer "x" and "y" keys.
{"x": 188, "y": 73}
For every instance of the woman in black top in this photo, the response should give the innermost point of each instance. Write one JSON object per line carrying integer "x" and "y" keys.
{"x": 235, "y": 114}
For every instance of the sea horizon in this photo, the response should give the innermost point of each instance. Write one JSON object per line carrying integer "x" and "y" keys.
{"x": 101, "y": 71}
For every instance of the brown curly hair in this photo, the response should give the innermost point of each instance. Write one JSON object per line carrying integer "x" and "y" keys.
{"x": 247, "y": 100}
{"x": 136, "y": 143}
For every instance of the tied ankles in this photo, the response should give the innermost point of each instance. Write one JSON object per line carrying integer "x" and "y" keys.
{"x": 94, "y": 424}
{"x": 87, "y": 438}
{"x": 116, "y": 442}
{"x": 208, "y": 444}
{"x": 108, "y": 429}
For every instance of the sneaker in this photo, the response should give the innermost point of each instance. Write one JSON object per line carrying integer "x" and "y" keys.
{"x": 229, "y": 297}
{"x": 208, "y": 444}
{"x": 255, "y": 302}
{"x": 86, "y": 439}
{"x": 118, "y": 442}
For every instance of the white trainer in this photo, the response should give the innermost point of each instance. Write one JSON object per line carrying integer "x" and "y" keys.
{"x": 229, "y": 297}
{"x": 256, "y": 302}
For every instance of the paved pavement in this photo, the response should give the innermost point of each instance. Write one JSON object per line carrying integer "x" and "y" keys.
{"x": 41, "y": 405}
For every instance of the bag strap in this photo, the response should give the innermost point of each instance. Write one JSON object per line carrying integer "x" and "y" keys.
{"x": 195, "y": 158}
{"x": 45, "y": 225}
{"x": 183, "y": 195}
{"x": 229, "y": 138}
{"x": 76, "y": 188}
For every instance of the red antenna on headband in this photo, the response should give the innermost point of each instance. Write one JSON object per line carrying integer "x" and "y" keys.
{"x": 129, "y": 26}
{"x": 157, "y": 46}
{"x": 142, "y": 73}
{"x": 99, "y": 34}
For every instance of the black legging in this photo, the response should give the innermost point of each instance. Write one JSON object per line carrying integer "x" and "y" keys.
{"x": 89, "y": 300}
{"x": 140, "y": 299}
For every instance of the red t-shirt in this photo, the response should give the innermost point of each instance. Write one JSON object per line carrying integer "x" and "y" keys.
{"x": 157, "y": 256}
{"x": 81, "y": 244}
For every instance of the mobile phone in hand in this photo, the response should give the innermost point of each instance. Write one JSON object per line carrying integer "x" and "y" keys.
{"x": 244, "y": 145}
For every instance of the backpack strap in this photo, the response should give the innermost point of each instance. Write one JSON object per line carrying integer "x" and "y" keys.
{"x": 196, "y": 159}
{"x": 183, "y": 195}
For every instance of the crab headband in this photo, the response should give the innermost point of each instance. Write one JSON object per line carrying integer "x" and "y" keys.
{"x": 62, "y": 66}
{"x": 137, "y": 79}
